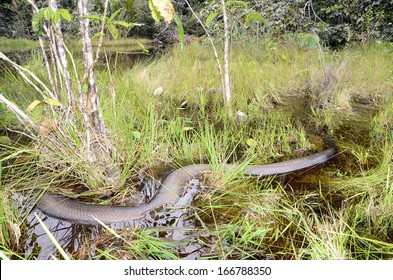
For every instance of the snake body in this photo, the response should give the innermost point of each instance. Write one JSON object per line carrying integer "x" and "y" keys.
{"x": 168, "y": 194}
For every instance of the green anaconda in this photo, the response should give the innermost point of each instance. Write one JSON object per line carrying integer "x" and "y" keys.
{"x": 168, "y": 194}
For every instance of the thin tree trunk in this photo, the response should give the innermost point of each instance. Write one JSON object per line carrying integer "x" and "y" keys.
{"x": 46, "y": 61}
{"x": 92, "y": 96}
{"x": 63, "y": 59}
{"x": 227, "y": 96}
{"x": 102, "y": 30}
{"x": 48, "y": 70}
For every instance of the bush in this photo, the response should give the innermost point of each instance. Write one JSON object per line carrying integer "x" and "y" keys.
{"x": 359, "y": 20}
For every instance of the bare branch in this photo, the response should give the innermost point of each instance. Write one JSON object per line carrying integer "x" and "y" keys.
{"x": 22, "y": 117}
{"x": 102, "y": 31}
{"x": 22, "y": 71}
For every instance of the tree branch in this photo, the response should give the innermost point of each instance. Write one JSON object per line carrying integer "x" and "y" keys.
{"x": 22, "y": 117}
{"x": 22, "y": 71}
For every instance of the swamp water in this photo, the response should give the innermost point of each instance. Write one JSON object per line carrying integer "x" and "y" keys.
{"x": 119, "y": 55}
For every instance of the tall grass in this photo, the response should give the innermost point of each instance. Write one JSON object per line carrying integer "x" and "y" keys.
{"x": 9, "y": 45}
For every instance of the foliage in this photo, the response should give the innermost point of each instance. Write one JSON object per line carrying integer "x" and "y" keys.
{"x": 49, "y": 15}
{"x": 308, "y": 41}
{"x": 111, "y": 24}
{"x": 243, "y": 19}
{"x": 336, "y": 22}
{"x": 15, "y": 19}
{"x": 358, "y": 20}
{"x": 131, "y": 11}
{"x": 284, "y": 16}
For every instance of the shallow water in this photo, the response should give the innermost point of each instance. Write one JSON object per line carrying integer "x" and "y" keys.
{"x": 121, "y": 55}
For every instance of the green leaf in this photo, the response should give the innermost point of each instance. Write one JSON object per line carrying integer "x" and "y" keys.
{"x": 251, "y": 143}
{"x": 48, "y": 13}
{"x": 180, "y": 30}
{"x": 122, "y": 23}
{"x": 113, "y": 30}
{"x": 65, "y": 14}
{"x": 114, "y": 15}
{"x": 136, "y": 134}
{"x": 210, "y": 18}
{"x": 143, "y": 47}
{"x": 154, "y": 13}
{"x": 56, "y": 17}
{"x": 37, "y": 24}
{"x": 94, "y": 17}
{"x": 37, "y": 114}
{"x": 284, "y": 57}
{"x": 238, "y": 3}
{"x": 98, "y": 34}
{"x": 254, "y": 16}
{"x": 40, "y": 14}
{"x": 34, "y": 19}
{"x": 32, "y": 106}
{"x": 52, "y": 102}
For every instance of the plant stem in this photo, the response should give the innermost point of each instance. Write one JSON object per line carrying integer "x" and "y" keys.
{"x": 227, "y": 92}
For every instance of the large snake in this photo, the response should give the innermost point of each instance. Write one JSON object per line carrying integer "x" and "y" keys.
{"x": 168, "y": 194}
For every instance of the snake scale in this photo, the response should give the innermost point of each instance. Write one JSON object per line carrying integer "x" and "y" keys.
{"x": 171, "y": 189}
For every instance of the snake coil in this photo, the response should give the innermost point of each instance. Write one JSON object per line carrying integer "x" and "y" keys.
{"x": 168, "y": 194}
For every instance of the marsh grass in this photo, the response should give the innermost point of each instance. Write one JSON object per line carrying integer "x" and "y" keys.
{"x": 137, "y": 244}
{"x": 9, "y": 45}
{"x": 10, "y": 230}
{"x": 240, "y": 217}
